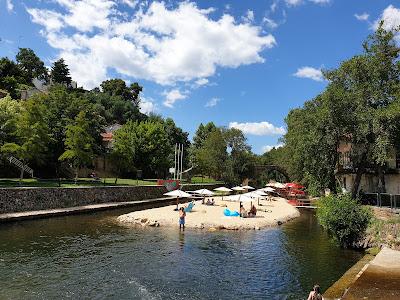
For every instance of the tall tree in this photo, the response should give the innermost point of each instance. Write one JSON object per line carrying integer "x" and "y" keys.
{"x": 60, "y": 72}
{"x": 79, "y": 144}
{"x": 118, "y": 87}
{"x": 31, "y": 65}
{"x": 10, "y": 76}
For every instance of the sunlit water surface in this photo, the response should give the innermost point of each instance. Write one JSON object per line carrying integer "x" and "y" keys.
{"x": 92, "y": 257}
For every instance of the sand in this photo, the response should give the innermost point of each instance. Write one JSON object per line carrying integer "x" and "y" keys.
{"x": 269, "y": 213}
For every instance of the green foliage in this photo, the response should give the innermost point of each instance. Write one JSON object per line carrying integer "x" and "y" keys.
{"x": 60, "y": 73}
{"x": 79, "y": 143}
{"x": 9, "y": 110}
{"x": 31, "y": 65}
{"x": 10, "y": 76}
{"x": 344, "y": 218}
{"x": 32, "y": 134}
{"x": 117, "y": 87}
{"x": 141, "y": 145}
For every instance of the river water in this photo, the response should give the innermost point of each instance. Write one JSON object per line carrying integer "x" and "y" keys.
{"x": 92, "y": 257}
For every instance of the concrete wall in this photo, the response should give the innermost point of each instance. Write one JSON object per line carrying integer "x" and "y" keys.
{"x": 369, "y": 183}
{"x": 29, "y": 199}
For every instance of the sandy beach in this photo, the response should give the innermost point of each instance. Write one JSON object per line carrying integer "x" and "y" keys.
{"x": 269, "y": 213}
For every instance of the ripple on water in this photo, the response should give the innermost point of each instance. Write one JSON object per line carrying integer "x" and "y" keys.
{"x": 91, "y": 257}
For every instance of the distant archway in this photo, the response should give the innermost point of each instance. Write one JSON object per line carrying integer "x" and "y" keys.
{"x": 280, "y": 172}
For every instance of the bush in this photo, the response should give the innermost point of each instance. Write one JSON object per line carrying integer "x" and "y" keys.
{"x": 344, "y": 218}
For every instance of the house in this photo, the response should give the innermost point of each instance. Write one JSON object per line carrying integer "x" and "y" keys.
{"x": 40, "y": 86}
{"x": 346, "y": 174}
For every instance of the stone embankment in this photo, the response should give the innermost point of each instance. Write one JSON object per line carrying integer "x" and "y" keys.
{"x": 33, "y": 199}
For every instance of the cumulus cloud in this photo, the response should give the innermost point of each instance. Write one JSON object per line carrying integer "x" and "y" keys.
{"x": 293, "y": 2}
{"x": 201, "y": 81}
{"x": 249, "y": 17}
{"x": 362, "y": 17}
{"x": 310, "y": 73}
{"x": 10, "y": 6}
{"x": 268, "y": 148}
{"x": 391, "y": 18}
{"x": 172, "y": 96}
{"x": 141, "y": 45}
{"x": 261, "y": 128}
{"x": 147, "y": 106}
{"x": 212, "y": 102}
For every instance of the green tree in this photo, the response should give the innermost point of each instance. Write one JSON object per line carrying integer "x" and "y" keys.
{"x": 31, "y": 135}
{"x": 9, "y": 111}
{"x": 31, "y": 65}
{"x": 10, "y": 76}
{"x": 141, "y": 145}
{"x": 79, "y": 144}
{"x": 211, "y": 157}
{"x": 344, "y": 218}
{"x": 60, "y": 73}
{"x": 118, "y": 87}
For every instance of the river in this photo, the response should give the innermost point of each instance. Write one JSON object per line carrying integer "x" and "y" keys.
{"x": 92, "y": 257}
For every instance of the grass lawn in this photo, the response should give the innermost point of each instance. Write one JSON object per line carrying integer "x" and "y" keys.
{"x": 29, "y": 182}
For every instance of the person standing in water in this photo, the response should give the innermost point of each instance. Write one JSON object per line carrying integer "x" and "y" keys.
{"x": 182, "y": 215}
{"x": 315, "y": 294}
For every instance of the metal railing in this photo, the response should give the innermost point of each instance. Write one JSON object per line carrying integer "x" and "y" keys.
{"x": 382, "y": 200}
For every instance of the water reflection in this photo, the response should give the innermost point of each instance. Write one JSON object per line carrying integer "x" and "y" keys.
{"x": 92, "y": 257}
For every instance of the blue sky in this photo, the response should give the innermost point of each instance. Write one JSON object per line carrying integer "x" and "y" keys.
{"x": 237, "y": 63}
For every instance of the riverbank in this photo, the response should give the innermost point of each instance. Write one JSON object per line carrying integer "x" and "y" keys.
{"x": 269, "y": 213}
{"x": 380, "y": 279}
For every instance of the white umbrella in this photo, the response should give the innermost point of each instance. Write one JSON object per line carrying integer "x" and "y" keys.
{"x": 269, "y": 189}
{"x": 177, "y": 194}
{"x": 276, "y": 185}
{"x": 257, "y": 195}
{"x": 261, "y": 192}
{"x": 247, "y": 187}
{"x": 238, "y": 188}
{"x": 204, "y": 192}
{"x": 223, "y": 189}
{"x": 239, "y": 198}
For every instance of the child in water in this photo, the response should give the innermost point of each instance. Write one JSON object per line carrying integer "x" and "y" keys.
{"x": 182, "y": 215}
{"x": 315, "y": 294}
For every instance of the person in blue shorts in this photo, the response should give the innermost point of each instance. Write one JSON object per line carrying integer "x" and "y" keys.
{"x": 182, "y": 215}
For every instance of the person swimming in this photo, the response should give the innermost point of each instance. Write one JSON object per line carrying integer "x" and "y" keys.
{"x": 315, "y": 294}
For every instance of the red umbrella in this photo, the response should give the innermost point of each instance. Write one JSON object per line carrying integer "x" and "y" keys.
{"x": 294, "y": 185}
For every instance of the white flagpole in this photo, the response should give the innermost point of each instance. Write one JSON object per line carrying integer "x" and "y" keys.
{"x": 175, "y": 155}
{"x": 182, "y": 162}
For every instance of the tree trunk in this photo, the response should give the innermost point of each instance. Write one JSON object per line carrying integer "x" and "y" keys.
{"x": 381, "y": 182}
{"x": 356, "y": 185}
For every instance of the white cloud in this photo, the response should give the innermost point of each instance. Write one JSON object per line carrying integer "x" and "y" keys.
{"x": 172, "y": 96}
{"x": 212, "y": 102}
{"x": 391, "y": 18}
{"x": 10, "y": 6}
{"x": 131, "y": 3}
{"x": 270, "y": 23}
{"x": 147, "y": 106}
{"x": 261, "y": 128}
{"x": 249, "y": 17}
{"x": 310, "y": 73}
{"x": 141, "y": 46}
{"x": 201, "y": 81}
{"x": 293, "y": 2}
{"x": 362, "y": 17}
{"x": 268, "y": 148}
{"x": 320, "y": 1}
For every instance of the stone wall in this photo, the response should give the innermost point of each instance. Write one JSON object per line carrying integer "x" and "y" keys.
{"x": 29, "y": 199}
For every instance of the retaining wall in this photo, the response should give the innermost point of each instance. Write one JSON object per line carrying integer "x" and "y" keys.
{"x": 29, "y": 199}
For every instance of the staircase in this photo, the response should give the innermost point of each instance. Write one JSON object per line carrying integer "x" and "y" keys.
{"x": 20, "y": 165}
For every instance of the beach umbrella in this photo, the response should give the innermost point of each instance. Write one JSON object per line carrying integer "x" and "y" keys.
{"x": 257, "y": 195}
{"x": 269, "y": 189}
{"x": 177, "y": 194}
{"x": 239, "y": 198}
{"x": 204, "y": 192}
{"x": 261, "y": 192}
{"x": 247, "y": 187}
{"x": 294, "y": 185}
{"x": 238, "y": 189}
{"x": 223, "y": 189}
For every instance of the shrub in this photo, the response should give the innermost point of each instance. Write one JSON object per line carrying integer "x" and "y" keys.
{"x": 344, "y": 218}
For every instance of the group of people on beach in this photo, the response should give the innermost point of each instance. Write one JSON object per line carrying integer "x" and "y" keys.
{"x": 248, "y": 214}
